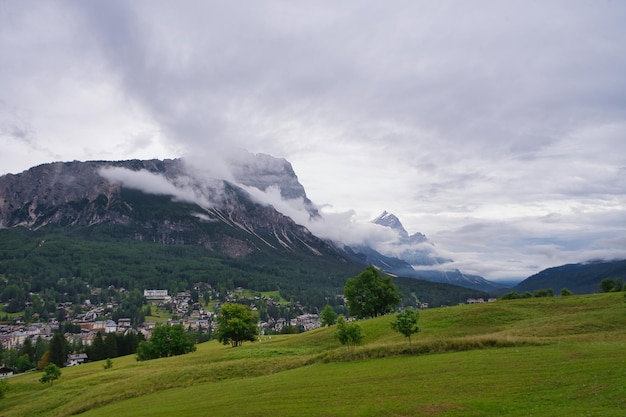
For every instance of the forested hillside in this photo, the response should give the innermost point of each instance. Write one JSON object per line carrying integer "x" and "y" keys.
{"x": 72, "y": 261}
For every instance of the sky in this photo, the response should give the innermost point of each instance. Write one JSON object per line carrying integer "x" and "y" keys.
{"x": 495, "y": 127}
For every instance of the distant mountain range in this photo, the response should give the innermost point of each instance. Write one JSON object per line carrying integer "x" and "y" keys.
{"x": 581, "y": 278}
{"x": 409, "y": 251}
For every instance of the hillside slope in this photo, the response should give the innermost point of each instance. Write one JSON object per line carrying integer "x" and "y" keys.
{"x": 560, "y": 356}
{"x": 582, "y": 278}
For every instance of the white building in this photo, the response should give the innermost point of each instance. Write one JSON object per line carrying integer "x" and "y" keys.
{"x": 155, "y": 294}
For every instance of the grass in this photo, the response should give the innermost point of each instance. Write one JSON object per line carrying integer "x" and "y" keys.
{"x": 10, "y": 315}
{"x": 158, "y": 315}
{"x": 541, "y": 357}
{"x": 275, "y": 295}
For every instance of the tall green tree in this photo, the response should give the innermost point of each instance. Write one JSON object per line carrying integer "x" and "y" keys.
{"x": 110, "y": 345}
{"x": 406, "y": 323}
{"x": 236, "y": 323}
{"x": 371, "y": 294}
{"x": 28, "y": 349}
{"x": 97, "y": 350}
{"x": 328, "y": 317}
{"x": 58, "y": 349}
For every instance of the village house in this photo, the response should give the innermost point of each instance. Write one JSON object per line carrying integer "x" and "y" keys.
{"x": 307, "y": 321}
{"x": 76, "y": 359}
{"x": 5, "y": 372}
{"x": 155, "y": 294}
{"x": 123, "y": 325}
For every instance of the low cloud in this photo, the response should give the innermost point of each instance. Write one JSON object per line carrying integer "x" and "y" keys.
{"x": 180, "y": 189}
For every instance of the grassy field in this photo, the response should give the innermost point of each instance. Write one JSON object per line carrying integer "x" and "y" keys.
{"x": 533, "y": 357}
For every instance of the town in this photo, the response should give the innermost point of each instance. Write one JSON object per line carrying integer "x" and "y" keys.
{"x": 82, "y": 324}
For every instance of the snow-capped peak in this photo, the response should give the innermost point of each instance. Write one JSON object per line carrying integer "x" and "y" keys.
{"x": 390, "y": 220}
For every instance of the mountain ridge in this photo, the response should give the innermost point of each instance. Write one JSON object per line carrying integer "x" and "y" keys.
{"x": 416, "y": 250}
{"x": 245, "y": 240}
{"x": 579, "y": 278}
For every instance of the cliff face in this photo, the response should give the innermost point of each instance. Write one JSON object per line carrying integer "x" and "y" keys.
{"x": 162, "y": 201}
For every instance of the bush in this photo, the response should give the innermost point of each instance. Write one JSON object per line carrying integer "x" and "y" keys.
{"x": 348, "y": 333}
{"x": 510, "y": 296}
{"x": 607, "y": 285}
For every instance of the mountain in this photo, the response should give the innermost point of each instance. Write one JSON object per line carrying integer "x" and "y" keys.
{"x": 416, "y": 250}
{"x": 581, "y": 278}
{"x": 128, "y": 193}
{"x": 169, "y": 224}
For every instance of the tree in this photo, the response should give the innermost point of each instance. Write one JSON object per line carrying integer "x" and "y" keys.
{"x": 41, "y": 347}
{"x": 510, "y": 296}
{"x": 544, "y": 292}
{"x": 165, "y": 341}
{"x": 24, "y": 364}
{"x": 349, "y": 334}
{"x": 97, "y": 350}
{"x": 10, "y": 357}
{"x": 236, "y": 323}
{"x": 58, "y": 350}
{"x": 110, "y": 345}
{"x": 28, "y": 349}
{"x": 565, "y": 292}
{"x": 619, "y": 285}
{"x": 370, "y": 294}
{"x": 44, "y": 361}
{"x": 607, "y": 285}
{"x": 328, "y": 317}
{"x": 51, "y": 373}
{"x": 406, "y": 323}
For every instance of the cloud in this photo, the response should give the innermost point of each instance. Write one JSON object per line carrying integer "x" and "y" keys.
{"x": 181, "y": 189}
{"x": 451, "y": 115}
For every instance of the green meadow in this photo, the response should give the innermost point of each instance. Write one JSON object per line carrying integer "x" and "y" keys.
{"x": 562, "y": 356}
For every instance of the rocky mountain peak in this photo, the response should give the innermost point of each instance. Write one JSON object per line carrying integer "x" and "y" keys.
{"x": 390, "y": 220}
{"x": 165, "y": 201}
{"x": 393, "y": 222}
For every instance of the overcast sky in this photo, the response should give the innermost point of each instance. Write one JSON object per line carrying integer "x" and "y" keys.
{"x": 497, "y": 128}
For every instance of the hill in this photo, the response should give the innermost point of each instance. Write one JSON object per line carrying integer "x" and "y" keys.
{"x": 581, "y": 278}
{"x": 538, "y": 356}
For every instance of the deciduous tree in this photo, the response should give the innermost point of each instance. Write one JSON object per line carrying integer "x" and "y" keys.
{"x": 406, "y": 323}
{"x": 348, "y": 333}
{"x": 607, "y": 285}
{"x": 51, "y": 374}
{"x": 236, "y": 323}
{"x": 371, "y": 294}
{"x": 44, "y": 361}
{"x": 165, "y": 341}
{"x": 328, "y": 317}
